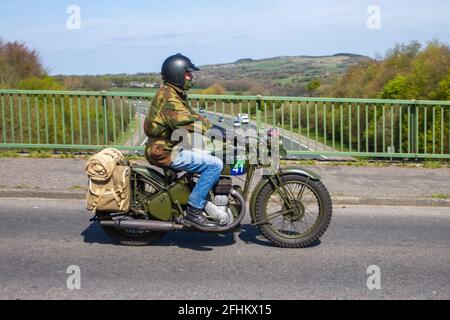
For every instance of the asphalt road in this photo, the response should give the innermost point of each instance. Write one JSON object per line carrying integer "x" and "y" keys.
{"x": 40, "y": 239}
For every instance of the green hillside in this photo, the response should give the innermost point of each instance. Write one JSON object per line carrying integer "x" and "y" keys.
{"x": 289, "y": 75}
{"x": 280, "y": 75}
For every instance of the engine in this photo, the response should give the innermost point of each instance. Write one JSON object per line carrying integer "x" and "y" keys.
{"x": 218, "y": 208}
{"x": 223, "y": 187}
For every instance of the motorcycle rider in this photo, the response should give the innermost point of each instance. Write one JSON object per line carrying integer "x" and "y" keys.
{"x": 169, "y": 111}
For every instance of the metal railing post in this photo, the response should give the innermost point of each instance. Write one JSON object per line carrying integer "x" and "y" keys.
{"x": 258, "y": 113}
{"x": 414, "y": 129}
{"x": 105, "y": 117}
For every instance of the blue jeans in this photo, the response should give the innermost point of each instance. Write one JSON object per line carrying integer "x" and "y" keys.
{"x": 209, "y": 168}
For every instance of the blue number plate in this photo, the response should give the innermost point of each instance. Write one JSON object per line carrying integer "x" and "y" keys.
{"x": 238, "y": 168}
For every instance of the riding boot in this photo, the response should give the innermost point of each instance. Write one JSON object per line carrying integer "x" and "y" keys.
{"x": 195, "y": 216}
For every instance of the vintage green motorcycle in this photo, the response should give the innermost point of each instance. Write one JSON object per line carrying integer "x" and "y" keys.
{"x": 291, "y": 208}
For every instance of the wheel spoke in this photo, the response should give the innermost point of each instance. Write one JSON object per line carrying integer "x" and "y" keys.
{"x": 282, "y": 225}
{"x": 290, "y": 194}
{"x": 302, "y": 190}
{"x": 298, "y": 223}
{"x": 294, "y": 230}
{"x": 306, "y": 222}
{"x": 273, "y": 216}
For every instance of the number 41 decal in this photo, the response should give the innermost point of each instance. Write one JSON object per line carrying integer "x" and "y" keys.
{"x": 239, "y": 168}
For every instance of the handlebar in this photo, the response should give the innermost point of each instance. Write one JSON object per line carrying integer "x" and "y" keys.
{"x": 251, "y": 146}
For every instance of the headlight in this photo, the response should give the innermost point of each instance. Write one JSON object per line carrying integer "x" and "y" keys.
{"x": 274, "y": 132}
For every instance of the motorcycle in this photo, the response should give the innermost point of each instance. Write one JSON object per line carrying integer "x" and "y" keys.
{"x": 291, "y": 207}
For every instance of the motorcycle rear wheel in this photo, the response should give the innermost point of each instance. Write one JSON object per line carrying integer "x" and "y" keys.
{"x": 311, "y": 199}
{"x": 132, "y": 238}
{"x": 136, "y": 238}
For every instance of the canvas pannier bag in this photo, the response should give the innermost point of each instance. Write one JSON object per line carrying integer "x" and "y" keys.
{"x": 113, "y": 195}
{"x": 109, "y": 182}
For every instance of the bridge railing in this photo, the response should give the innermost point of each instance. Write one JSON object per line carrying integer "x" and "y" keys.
{"x": 81, "y": 120}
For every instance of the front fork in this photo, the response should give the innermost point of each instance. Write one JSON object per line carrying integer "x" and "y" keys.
{"x": 289, "y": 199}
{"x": 291, "y": 203}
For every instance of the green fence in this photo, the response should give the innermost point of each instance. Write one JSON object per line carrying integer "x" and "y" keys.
{"x": 310, "y": 126}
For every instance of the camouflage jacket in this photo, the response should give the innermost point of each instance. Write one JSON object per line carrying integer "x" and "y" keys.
{"x": 169, "y": 110}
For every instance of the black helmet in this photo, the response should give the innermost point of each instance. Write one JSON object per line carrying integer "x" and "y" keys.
{"x": 174, "y": 68}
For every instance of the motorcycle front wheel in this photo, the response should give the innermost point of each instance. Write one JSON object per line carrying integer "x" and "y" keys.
{"x": 299, "y": 217}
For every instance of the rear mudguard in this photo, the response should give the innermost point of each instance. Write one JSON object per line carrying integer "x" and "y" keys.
{"x": 285, "y": 171}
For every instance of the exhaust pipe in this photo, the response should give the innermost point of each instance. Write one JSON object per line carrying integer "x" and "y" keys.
{"x": 143, "y": 225}
{"x": 161, "y": 226}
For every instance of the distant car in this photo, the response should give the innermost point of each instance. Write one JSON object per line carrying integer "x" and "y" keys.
{"x": 236, "y": 123}
{"x": 221, "y": 119}
{"x": 245, "y": 119}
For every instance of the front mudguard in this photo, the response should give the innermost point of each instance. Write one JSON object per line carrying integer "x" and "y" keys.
{"x": 285, "y": 171}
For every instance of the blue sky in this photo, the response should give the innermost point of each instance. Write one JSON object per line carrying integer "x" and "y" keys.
{"x": 136, "y": 35}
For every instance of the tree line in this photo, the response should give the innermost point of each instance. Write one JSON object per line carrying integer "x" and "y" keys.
{"x": 407, "y": 72}
{"x": 44, "y": 119}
